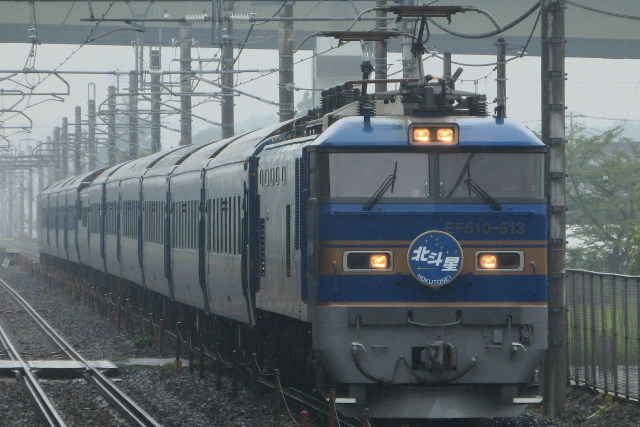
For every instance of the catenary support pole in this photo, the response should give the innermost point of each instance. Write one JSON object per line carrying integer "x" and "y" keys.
{"x": 64, "y": 145}
{"x": 285, "y": 50}
{"x": 501, "y": 79}
{"x": 185, "y": 84}
{"x": 111, "y": 125}
{"x": 155, "y": 70}
{"x": 380, "y": 49}
{"x": 10, "y": 207}
{"x": 553, "y": 134}
{"x": 30, "y": 205}
{"x": 133, "y": 115}
{"x": 77, "y": 143}
{"x": 91, "y": 127}
{"x": 21, "y": 205}
{"x": 446, "y": 65}
{"x": 410, "y": 65}
{"x": 227, "y": 77}
{"x": 57, "y": 155}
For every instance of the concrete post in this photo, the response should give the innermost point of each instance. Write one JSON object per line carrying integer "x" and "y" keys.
{"x": 133, "y": 115}
{"x": 285, "y": 50}
{"x": 553, "y": 134}
{"x": 185, "y": 84}
{"x": 227, "y": 106}
{"x": 91, "y": 130}
{"x": 381, "y": 49}
{"x": 30, "y": 205}
{"x": 410, "y": 65}
{"x": 64, "y": 145}
{"x": 22, "y": 205}
{"x": 446, "y": 65}
{"x": 10, "y": 207}
{"x": 111, "y": 125}
{"x": 77, "y": 145}
{"x": 501, "y": 79}
{"x": 155, "y": 103}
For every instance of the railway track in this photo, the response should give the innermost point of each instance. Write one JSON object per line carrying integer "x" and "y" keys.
{"x": 119, "y": 400}
{"x": 290, "y": 396}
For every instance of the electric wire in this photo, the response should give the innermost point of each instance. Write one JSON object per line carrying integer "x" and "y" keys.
{"x": 602, "y": 12}
{"x": 491, "y": 33}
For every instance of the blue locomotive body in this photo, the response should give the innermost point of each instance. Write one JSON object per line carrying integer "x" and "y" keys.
{"x": 419, "y": 264}
{"x": 456, "y": 344}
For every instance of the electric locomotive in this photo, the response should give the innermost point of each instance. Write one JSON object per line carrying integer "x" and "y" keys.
{"x": 427, "y": 237}
{"x": 406, "y": 231}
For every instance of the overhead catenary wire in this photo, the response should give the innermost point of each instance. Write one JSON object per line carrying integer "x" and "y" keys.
{"x": 602, "y": 12}
{"x": 491, "y": 33}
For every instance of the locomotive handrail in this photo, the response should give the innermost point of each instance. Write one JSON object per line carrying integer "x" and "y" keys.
{"x": 426, "y": 325}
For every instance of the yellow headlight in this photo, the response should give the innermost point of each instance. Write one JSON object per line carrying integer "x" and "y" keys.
{"x": 488, "y": 261}
{"x": 379, "y": 261}
{"x": 421, "y": 135}
{"x": 445, "y": 135}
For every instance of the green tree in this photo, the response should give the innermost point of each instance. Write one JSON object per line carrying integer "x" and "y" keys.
{"x": 603, "y": 196}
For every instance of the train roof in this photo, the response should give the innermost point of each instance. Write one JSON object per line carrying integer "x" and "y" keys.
{"x": 74, "y": 182}
{"x": 198, "y": 159}
{"x": 175, "y": 157}
{"x": 394, "y": 131}
{"x": 135, "y": 168}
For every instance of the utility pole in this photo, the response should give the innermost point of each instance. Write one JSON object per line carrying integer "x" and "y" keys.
{"x": 64, "y": 141}
{"x": 21, "y": 207}
{"x": 410, "y": 65}
{"x": 52, "y": 168}
{"x": 10, "y": 177}
{"x": 133, "y": 115}
{"x": 380, "y": 48}
{"x": 30, "y": 206}
{"x": 285, "y": 49}
{"x": 155, "y": 70}
{"x": 78, "y": 142}
{"x": 185, "y": 84}
{"x": 501, "y": 79}
{"x": 227, "y": 76}
{"x": 553, "y": 134}
{"x": 111, "y": 125}
{"x": 446, "y": 65}
{"x": 91, "y": 133}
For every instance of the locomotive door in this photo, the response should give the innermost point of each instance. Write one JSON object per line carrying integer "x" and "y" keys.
{"x": 250, "y": 238}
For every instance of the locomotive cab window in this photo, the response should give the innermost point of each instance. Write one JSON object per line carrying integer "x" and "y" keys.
{"x": 498, "y": 175}
{"x": 362, "y": 175}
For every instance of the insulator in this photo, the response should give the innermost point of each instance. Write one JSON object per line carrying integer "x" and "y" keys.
{"x": 240, "y": 17}
{"x": 477, "y": 106}
{"x": 369, "y": 105}
{"x": 200, "y": 17}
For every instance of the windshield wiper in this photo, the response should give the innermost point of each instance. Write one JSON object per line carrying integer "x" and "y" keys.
{"x": 466, "y": 170}
{"x": 389, "y": 181}
{"x": 478, "y": 191}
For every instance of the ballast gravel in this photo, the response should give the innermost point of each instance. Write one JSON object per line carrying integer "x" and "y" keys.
{"x": 182, "y": 399}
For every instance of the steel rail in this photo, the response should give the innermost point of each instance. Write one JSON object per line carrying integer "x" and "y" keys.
{"x": 44, "y": 407}
{"x": 310, "y": 402}
{"x": 127, "y": 407}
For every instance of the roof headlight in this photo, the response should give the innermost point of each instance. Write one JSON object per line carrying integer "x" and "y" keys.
{"x": 433, "y": 134}
{"x": 445, "y": 135}
{"x": 421, "y": 135}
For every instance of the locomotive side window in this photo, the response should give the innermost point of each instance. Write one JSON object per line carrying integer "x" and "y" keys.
{"x": 501, "y": 175}
{"x": 362, "y": 174}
